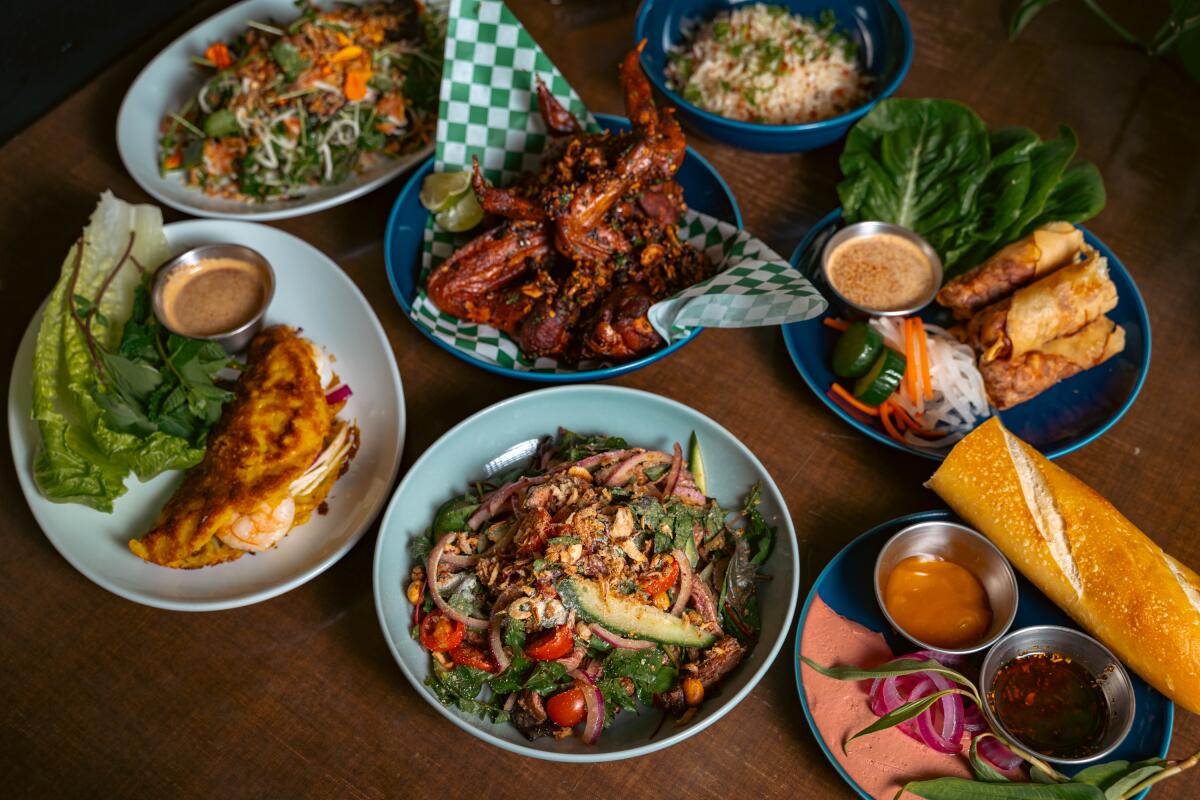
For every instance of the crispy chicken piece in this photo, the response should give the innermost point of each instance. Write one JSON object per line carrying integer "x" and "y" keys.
{"x": 268, "y": 438}
{"x": 621, "y": 329}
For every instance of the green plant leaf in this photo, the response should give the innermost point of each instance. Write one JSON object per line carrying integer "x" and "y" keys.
{"x": 900, "y": 667}
{"x": 963, "y": 789}
{"x": 1126, "y": 782}
{"x": 1102, "y": 774}
{"x": 902, "y": 714}
{"x": 1026, "y": 10}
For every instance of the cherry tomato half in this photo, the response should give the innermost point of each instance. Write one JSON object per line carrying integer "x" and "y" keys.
{"x": 664, "y": 579}
{"x": 439, "y": 633}
{"x": 567, "y": 708}
{"x": 471, "y": 656}
{"x": 552, "y": 644}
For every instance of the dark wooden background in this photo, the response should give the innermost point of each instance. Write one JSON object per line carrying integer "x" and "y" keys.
{"x": 299, "y": 697}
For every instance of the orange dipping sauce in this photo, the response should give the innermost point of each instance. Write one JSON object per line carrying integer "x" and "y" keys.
{"x": 938, "y": 602}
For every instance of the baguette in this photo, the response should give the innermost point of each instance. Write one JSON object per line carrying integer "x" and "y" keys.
{"x": 1082, "y": 553}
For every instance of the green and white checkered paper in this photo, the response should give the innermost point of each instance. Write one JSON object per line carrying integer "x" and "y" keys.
{"x": 487, "y": 109}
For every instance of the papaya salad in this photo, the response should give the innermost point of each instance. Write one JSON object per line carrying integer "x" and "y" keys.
{"x": 287, "y": 106}
{"x": 598, "y": 579}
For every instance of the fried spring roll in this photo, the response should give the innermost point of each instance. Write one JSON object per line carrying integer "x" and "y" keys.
{"x": 1048, "y": 248}
{"x": 1012, "y": 381}
{"x": 1055, "y": 306}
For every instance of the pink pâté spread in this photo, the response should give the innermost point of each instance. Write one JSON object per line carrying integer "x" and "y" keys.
{"x": 880, "y": 762}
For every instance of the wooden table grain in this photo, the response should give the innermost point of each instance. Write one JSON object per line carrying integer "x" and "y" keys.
{"x": 299, "y": 697}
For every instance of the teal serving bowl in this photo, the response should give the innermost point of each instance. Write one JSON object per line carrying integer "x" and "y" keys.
{"x": 879, "y": 28}
{"x": 456, "y": 460}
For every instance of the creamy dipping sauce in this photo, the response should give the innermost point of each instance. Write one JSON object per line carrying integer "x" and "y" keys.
{"x": 213, "y": 296}
{"x": 883, "y": 272}
{"x": 938, "y": 602}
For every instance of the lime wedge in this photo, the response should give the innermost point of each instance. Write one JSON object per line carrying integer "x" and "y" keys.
{"x": 463, "y": 215}
{"x": 440, "y": 190}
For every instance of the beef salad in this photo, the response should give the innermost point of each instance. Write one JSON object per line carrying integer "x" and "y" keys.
{"x": 598, "y": 579}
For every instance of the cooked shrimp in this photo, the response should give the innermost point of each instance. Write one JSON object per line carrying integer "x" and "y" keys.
{"x": 261, "y": 529}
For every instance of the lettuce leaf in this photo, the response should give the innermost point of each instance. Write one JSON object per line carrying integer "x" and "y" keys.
{"x": 81, "y": 458}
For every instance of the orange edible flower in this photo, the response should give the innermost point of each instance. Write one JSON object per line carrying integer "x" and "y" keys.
{"x": 356, "y": 84}
{"x": 346, "y": 54}
{"x": 219, "y": 54}
{"x": 342, "y": 38}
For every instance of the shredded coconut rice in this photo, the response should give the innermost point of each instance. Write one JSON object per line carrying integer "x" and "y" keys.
{"x": 759, "y": 63}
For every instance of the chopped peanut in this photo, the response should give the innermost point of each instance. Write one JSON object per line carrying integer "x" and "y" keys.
{"x": 661, "y": 601}
{"x": 414, "y": 592}
{"x": 693, "y": 691}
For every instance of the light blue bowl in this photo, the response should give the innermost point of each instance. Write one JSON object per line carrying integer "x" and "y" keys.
{"x": 879, "y": 28}
{"x": 703, "y": 189}
{"x": 456, "y": 460}
{"x": 841, "y": 585}
{"x": 1058, "y": 421}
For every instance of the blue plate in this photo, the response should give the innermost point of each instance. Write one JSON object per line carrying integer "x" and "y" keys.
{"x": 1058, "y": 421}
{"x": 703, "y": 189}
{"x": 879, "y": 28}
{"x": 845, "y": 586}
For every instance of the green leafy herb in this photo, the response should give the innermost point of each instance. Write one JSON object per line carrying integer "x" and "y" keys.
{"x": 460, "y": 687}
{"x": 545, "y": 678}
{"x": 932, "y": 166}
{"x": 738, "y": 603}
{"x": 721, "y": 30}
{"x": 575, "y": 446}
{"x": 221, "y": 123}
{"x": 650, "y": 670}
{"x": 289, "y": 59}
{"x": 453, "y": 515}
{"x": 757, "y": 533}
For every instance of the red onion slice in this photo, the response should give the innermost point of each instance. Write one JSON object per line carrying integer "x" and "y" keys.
{"x": 594, "y": 700}
{"x": 685, "y": 581}
{"x": 622, "y": 472}
{"x": 973, "y": 721}
{"x": 619, "y": 641}
{"x": 431, "y": 568}
{"x": 945, "y": 737}
{"x": 495, "y": 622}
{"x": 673, "y": 475}
{"x": 493, "y": 502}
{"x": 338, "y": 395}
{"x": 705, "y": 601}
{"x": 999, "y": 756}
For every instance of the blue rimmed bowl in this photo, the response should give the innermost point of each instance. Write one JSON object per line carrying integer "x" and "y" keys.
{"x": 703, "y": 189}
{"x": 845, "y": 586}
{"x": 879, "y": 28}
{"x": 1058, "y": 421}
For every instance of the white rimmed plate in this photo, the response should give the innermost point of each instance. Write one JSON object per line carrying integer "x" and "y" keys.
{"x": 311, "y": 293}
{"x": 645, "y": 420}
{"x": 171, "y": 78}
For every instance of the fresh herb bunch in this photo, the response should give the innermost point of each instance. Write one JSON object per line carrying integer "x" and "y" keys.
{"x": 935, "y": 168}
{"x": 1114, "y": 780}
{"x": 156, "y": 380}
{"x": 1179, "y": 33}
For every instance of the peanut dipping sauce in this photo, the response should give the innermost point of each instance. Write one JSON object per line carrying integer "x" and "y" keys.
{"x": 938, "y": 602}
{"x": 213, "y": 296}
{"x": 883, "y": 272}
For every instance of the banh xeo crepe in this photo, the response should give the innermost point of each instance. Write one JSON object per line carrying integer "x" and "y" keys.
{"x": 1015, "y": 380}
{"x": 270, "y": 462}
{"x": 1054, "y": 306}
{"x": 1048, "y": 248}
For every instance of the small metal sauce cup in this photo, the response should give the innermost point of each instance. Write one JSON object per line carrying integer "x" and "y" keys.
{"x": 861, "y": 230}
{"x": 970, "y": 550}
{"x": 238, "y": 338}
{"x": 1110, "y": 674}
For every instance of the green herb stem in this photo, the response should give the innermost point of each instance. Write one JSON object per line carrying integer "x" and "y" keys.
{"x": 1174, "y": 769}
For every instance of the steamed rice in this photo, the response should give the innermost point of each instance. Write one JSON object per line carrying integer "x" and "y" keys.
{"x": 760, "y": 63}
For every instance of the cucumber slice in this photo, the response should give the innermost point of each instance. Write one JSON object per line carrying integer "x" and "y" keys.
{"x": 856, "y": 350}
{"x": 883, "y": 378}
{"x": 628, "y": 617}
{"x": 696, "y": 464}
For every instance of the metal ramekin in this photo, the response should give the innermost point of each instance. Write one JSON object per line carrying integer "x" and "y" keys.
{"x": 860, "y": 230}
{"x": 233, "y": 340}
{"x": 968, "y": 549}
{"x": 1087, "y": 652}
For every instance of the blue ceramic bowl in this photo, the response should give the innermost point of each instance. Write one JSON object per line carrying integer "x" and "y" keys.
{"x": 879, "y": 28}
{"x": 703, "y": 189}
{"x": 1058, "y": 421}
{"x": 647, "y": 420}
{"x": 845, "y": 586}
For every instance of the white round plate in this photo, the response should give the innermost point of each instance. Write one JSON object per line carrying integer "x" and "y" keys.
{"x": 166, "y": 84}
{"x": 311, "y": 293}
{"x": 644, "y": 420}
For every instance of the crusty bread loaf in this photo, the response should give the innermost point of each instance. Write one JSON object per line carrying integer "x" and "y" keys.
{"x": 1082, "y": 553}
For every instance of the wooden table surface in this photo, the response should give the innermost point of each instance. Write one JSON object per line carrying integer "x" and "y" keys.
{"x": 299, "y": 696}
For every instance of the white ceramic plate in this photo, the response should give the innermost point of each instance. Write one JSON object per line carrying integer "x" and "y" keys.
{"x": 171, "y": 78}
{"x": 645, "y": 420}
{"x": 311, "y": 293}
